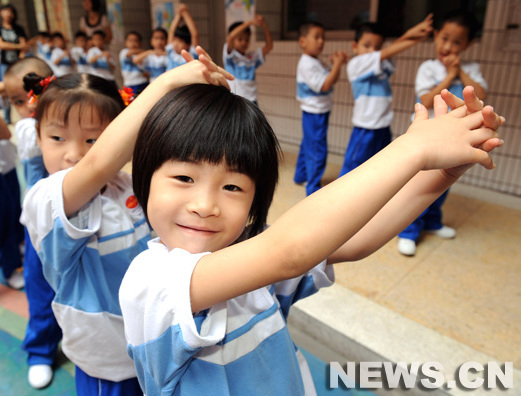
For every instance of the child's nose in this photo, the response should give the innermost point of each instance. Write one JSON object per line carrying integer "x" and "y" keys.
{"x": 205, "y": 205}
{"x": 74, "y": 153}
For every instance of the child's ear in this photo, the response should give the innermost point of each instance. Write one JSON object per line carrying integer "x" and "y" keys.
{"x": 301, "y": 41}
{"x": 354, "y": 46}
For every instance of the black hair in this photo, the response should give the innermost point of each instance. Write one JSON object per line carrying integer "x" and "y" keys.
{"x": 369, "y": 27}
{"x": 80, "y": 33}
{"x": 11, "y": 7}
{"x": 44, "y": 33}
{"x": 183, "y": 33}
{"x": 234, "y": 25}
{"x": 85, "y": 90}
{"x": 137, "y": 34}
{"x": 203, "y": 122}
{"x": 161, "y": 30}
{"x": 57, "y": 34}
{"x": 305, "y": 27}
{"x": 463, "y": 18}
{"x": 100, "y": 32}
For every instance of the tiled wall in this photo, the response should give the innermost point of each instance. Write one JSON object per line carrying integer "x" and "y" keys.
{"x": 501, "y": 69}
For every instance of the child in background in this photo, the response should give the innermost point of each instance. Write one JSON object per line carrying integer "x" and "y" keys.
{"x": 369, "y": 72}
{"x": 455, "y": 34}
{"x": 133, "y": 75}
{"x": 205, "y": 306}
{"x": 79, "y": 52}
{"x": 180, "y": 38}
{"x": 315, "y": 82}
{"x": 100, "y": 60}
{"x": 241, "y": 63}
{"x": 43, "y": 44}
{"x": 43, "y": 333}
{"x": 86, "y": 228}
{"x": 61, "y": 60}
{"x": 155, "y": 60}
{"x": 11, "y": 231}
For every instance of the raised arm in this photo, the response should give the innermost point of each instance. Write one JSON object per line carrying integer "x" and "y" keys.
{"x": 190, "y": 23}
{"x": 268, "y": 46}
{"x": 114, "y": 147}
{"x": 422, "y": 190}
{"x": 174, "y": 24}
{"x": 410, "y": 38}
{"x": 320, "y": 224}
{"x": 339, "y": 58}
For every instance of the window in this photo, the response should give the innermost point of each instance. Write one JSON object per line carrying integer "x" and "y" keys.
{"x": 340, "y": 17}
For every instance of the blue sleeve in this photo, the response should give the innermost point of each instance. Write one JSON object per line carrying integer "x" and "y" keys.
{"x": 290, "y": 291}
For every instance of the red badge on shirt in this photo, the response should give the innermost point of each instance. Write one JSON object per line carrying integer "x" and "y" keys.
{"x": 132, "y": 202}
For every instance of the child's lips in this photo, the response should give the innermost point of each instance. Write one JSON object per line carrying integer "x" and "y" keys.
{"x": 197, "y": 229}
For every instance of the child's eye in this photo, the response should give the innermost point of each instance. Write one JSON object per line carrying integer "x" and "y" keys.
{"x": 184, "y": 179}
{"x": 91, "y": 141}
{"x": 231, "y": 187}
{"x": 19, "y": 102}
{"x": 57, "y": 138}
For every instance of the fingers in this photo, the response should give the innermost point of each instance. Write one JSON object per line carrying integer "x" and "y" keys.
{"x": 186, "y": 55}
{"x": 212, "y": 67}
{"x": 439, "y": 106}
{"x": 491, "y": 144}
{"x": 471, "y": 100}
{"x": 452, "y": 100}
{"x": 483, "y": 158}
{"x": 491, "y": 119}
{"x": 420, "y": 112}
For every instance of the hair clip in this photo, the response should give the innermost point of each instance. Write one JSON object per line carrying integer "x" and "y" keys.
{"x": 127, "y": 94}
{"x": 43, "y": 83}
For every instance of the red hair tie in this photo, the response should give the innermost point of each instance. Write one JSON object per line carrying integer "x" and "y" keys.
{"x": 44, "y": 82}
{"x": 127, "y": 94}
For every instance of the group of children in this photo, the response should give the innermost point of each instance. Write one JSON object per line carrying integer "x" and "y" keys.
{"x": 368, "y": 73}
{"x": 202, "y": 308}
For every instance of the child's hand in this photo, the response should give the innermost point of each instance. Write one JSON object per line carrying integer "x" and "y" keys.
{"x": 259, "y": 20}
{"x": 452, "y": 64}
{"x": 182, "y": 8}
{"x": 452, "y": 139}
{"x": 212, "y": 73}
{"x": 339, "y": 57}
{"x": 421, "y": 30}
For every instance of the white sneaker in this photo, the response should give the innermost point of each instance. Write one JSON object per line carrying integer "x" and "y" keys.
{"x": 40, "y": 375}
{"x": 444, "y": 232}
{"x": 16, "y": 280}
{"x": 406, "y": 246}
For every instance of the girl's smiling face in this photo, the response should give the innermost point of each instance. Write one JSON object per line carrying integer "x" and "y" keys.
{"x": 64, "y": 144}
{"x": 198, "y": 206}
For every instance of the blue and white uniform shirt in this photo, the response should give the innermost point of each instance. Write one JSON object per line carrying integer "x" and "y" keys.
{"x": 64, "y": 66}
{"x": 132, "y": 74}
{"x": 84, "y": 259}
{"x": 243, "y": 67}
{"x": 43, "y": 51}
{"x": 80, "y": 57}
{"x": 433, "y": 71}
{"x": 369, "y": 78}
{"x": 29, "y": 152}
{"x": 7, "y": 156}
{"x": 238, "y": 347}
{"x": 101, "y": 67}
{"x": 175, "y": 59}
{"x": 311, "y": 75}
{"x": 155, "y": 65}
